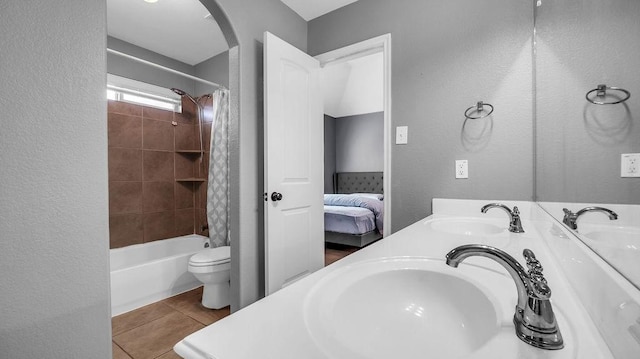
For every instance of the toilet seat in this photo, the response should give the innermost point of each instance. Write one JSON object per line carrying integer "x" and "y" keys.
{"x": 211, "y": 257}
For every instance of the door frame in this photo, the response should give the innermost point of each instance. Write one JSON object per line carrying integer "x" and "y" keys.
{"x": 382, "y": 44}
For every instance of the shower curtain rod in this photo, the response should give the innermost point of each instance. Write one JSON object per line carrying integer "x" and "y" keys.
{"x": 168, "y": 69}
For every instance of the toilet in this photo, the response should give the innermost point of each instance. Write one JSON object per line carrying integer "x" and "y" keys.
{"x": 212, "y": 267}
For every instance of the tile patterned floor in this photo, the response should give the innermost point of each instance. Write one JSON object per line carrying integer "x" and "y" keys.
{"x": 151, "y": 332}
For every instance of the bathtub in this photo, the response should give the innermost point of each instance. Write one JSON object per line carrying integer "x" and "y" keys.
{"x": 146, "y": 273}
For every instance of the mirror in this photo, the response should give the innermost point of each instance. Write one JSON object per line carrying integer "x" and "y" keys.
{"x": 580, "y": 145}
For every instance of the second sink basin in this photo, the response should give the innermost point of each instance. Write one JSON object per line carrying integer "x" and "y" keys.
{"x": 619, "y": 246}
{"x": 403, "y": 307}
{"x": 622, "y": 238}
{"x": 467, "y": 227}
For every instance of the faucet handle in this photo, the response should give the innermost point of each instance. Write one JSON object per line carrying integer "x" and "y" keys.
{"x": 531, "y": 259}
{"x": 569, "y": 219}
{"x": 538, "y": 282}
{"x": 533, "y": 263}
{"x": 515, "y": 225}
{"x": 568, "y": 214}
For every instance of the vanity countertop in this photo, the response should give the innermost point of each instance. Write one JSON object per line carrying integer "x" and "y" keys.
{"x": 277, "y": 327}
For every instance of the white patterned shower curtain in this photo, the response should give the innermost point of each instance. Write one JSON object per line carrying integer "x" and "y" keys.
{"x": 218, "y": 179}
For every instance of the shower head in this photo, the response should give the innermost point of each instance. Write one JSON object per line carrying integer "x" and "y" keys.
{"x": 198, "y": 114}
{"x": 178, "y": 91}
{"x": 183, "y": 93}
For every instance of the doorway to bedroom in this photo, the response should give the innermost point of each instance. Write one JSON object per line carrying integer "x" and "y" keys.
{"x": 355, "y": 96}
{"x": 294, "y": 220}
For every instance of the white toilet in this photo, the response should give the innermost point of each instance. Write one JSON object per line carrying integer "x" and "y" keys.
{"x": 212, "y": 267}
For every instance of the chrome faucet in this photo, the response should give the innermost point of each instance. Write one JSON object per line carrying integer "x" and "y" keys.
{"x": 534, "y": 320}
{"x": 515, "y": 225}
{"x": 571, "y": 218}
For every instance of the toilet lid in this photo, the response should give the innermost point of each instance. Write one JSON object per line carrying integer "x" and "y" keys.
{"x": 211, "y": 256}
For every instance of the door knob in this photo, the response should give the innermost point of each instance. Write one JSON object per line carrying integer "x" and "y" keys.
{"x": 275, "y": 196}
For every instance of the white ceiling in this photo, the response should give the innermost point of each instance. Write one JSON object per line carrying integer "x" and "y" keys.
{"x": 174, "y": 28}
{"x": 311, "y": 9}
{"x": 178, "y": 28}
{"x": 354, "y": 87}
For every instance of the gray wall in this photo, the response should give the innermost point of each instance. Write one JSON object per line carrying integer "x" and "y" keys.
{"x": 329, "y": 152}
{"x": 445, "y": 58}
{"x": 579, "y": 144}
{"x": 54, "y": 242}
{"x": 249, "y": 19}
{"x": 118, "y": 65}
{"x": 360, "y": 143}
{"x": 353, "y": 144}
{"x": 215, "y": 69}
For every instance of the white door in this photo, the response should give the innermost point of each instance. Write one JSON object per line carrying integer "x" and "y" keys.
{"x": 293, "y": 164}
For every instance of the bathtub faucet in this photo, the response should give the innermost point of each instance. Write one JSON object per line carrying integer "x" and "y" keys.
{"x": 534, "y": 320}
{"x": 571, "y": 218}
{"x": 515, "y": 225}
{"x": 207, "y": 244}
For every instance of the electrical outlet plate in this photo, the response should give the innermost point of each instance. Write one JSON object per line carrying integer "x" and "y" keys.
{"x": 402, "y": 135}
{"x": 462, "y": 169}
{"x": 630, "y": 165}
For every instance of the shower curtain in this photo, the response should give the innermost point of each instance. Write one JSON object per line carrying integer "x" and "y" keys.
{"x": 218, "y": 178}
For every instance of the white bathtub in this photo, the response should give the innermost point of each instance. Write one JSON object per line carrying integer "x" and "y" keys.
{"x": 146, "y": 273}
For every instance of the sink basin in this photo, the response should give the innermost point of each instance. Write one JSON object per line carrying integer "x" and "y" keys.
{"x": 621, "y": 238}
{"x": 404, "y": 307}
{"x": 467, "y": 227}
{"x": 619, "y": 246}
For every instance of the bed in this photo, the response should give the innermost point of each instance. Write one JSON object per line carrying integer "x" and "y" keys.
{"x": 354, "y": 213}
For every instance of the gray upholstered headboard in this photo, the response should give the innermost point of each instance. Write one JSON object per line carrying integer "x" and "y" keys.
{"x": 358, "y": 182}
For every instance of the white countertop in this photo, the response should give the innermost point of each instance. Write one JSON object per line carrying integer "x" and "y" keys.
{"x": 275, "y": 326}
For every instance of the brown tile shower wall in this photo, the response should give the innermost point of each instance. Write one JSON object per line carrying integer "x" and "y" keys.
{"x": 146, "y": 203}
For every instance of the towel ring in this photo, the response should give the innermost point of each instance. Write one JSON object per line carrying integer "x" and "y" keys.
{"x": 479, "y": 107}
{"x": 601, "y": 91}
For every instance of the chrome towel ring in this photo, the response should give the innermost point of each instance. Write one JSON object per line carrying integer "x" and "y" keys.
{"x": 601, "y": 91}
{"x": 478, "y": 108}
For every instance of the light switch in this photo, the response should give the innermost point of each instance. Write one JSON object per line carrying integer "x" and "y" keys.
{"x": 402, "y": 133}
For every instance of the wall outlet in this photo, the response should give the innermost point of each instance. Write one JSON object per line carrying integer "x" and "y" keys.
{"x": 402, "y": 135}
{"x": 462, "y": 169}
{"x": 630, "y": 165}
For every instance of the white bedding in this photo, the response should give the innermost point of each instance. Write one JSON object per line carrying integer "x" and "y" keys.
{"x": 351, "y": 220}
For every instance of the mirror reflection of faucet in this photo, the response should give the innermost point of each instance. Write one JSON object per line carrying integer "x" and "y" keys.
{"x": 534, "y": 320}
{"x": 515, "y": 225}
{"x": 571, "y": 218}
